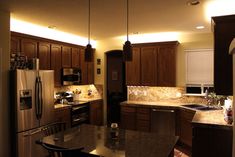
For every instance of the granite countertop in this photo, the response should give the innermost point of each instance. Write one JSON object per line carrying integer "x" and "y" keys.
{"x": 97, "y": 140}
{"x": 81, "y": 101}
{"x": 213, "y": 118}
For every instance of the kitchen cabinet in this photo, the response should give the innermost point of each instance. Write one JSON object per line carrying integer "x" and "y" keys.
{"x": 56, "y": 63}
{"x": 185, "y": 125}
{"x": 87, "y": 68}
{"x": 44, "y": 55}
{"x": 143, "y": 119}
{"x": 133, "y": 68}
{"x": 96, "y": 112}
{"x": 211, "y": 142}
{"x": 75, "y": 57}
{"x": 163, "y": 121}
{"x": 224, "y": 32}
{"x": 29, "y": 48}
{"x": 149, "y": 65}
{"x": 15, "y": 44}
{"x": 128, "y": 117}
{"x": 153, "y": 64}
{"x": 66, "y": 57}
{"x": 63, "y": 115}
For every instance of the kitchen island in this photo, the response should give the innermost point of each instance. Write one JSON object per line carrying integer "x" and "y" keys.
{"x": 98, "y": 140}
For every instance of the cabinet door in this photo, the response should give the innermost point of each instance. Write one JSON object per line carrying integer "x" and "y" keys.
{"x": 84, "y": 67}
{"x": 66, "y": 56}
{"x": 63, "y": 115}
{"x": 75, "y": 57}
{"x": 166, "y": 66}
{"x": 128, "y": 117}
{"x": 96, "y": 112}
{"x": 148, "y": 66}
{"x": 15, "y": 44}
{"x": 56, "y": 63}
{"x": 29, "y": 48}
{"x": 186, "y": 127}
{"x": 133, "y": 68}
{"x": 44, "y": 55}
{"x": 143, "y": 119}
{"x": 90, "y": 73}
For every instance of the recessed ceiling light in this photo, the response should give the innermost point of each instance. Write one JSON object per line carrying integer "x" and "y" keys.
{"x": 200, "y": 27}
{"x": 193, "y": 2}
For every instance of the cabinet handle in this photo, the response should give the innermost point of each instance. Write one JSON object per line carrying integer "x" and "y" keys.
{"x": 159, "y": 110}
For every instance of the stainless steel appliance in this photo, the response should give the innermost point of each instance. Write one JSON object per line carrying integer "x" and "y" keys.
{"x": 79, "y": 113}
{"x": 71, "y": 76}
{"x": 33, "y": 106}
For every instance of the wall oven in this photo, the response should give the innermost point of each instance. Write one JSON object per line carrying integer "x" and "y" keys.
{"x": 79, "y": 114}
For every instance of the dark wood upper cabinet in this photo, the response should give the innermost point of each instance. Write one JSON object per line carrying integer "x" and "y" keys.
{"x": 56, "y": 63}
{"x": 15, "y": 44}
{"x": 133, "y": 68}
{"x": 224, "y": 33}
{"x": 29, "y": 48}
{"x": 75, "y": 57}
{"x": 166, "y": 65}
{"x": 44, "y": 55}
{"x": 149, "y": 66}
{"x": 153, "y": 64}
{"x": 66, "y": 57}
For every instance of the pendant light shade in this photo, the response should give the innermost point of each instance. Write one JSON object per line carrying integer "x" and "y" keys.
{"x": 88, "y": 49}
{"x": 127, "y": 47}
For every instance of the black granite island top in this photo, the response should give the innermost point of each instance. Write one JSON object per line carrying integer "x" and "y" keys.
{"x": 97, "y": 140}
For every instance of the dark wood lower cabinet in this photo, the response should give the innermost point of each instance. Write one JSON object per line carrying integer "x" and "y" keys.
{"x": 96, "y": 112}
{"x": 212, "y": 142}
{"x": 63, "y": 115}
{"x": 128, "y": 117}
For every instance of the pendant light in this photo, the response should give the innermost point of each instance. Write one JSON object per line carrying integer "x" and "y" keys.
{"x": 127, "y": 47}
{"x": 88, "y": 49}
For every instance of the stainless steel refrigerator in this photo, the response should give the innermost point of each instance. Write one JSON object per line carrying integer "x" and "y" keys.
{"x": 32, "y": 106}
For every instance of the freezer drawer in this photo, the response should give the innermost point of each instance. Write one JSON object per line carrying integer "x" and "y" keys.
{"x": 163, "y": 121}
{"x": 27, "y": 146}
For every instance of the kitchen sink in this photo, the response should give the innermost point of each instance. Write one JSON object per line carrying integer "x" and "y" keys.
{"x": 201, "y": 107}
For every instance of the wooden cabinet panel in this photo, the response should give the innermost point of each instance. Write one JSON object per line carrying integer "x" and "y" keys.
{"x": 166, "y": 64}
{"x": 44, "y": 55}
{"x": 148, "y": 66}
{"x": 186, "y": 126}
{"x": 66, "y": 57}
{"x": 212, "y": 142}
{"x": 96, "y": 112}
{"x": 29, "y": 48}
{"x": 143, "y": 119}
{"x": 133, "y": 68}
{"x": 128, "y": 117}
{"x": 90, "y": 73}
{"x": 224, "y": 33}
{"x": 75, "y": 57}
{"x": 56, "y": 63}
{"x": 63, "y": 115}
{"x": 15, "y": 44}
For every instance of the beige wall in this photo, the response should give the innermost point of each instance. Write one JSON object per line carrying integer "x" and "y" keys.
{"x": 4, "y": 71}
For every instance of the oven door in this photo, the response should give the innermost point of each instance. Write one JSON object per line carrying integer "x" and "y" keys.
{"x": 79, "y": 115}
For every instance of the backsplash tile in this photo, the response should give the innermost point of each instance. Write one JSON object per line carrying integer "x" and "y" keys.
{"x": 153, "y": 94}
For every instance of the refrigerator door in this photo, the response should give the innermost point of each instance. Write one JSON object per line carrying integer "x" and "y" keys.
{"x": 47, "y": 96}
{"x": 27, "y": 146}
{"x": 25, "y": 103}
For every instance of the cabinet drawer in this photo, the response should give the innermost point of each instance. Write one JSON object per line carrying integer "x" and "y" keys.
{"x": 143, "y": 110}
{"x": 128, "y": 109}
{"x": 143, "y": 116}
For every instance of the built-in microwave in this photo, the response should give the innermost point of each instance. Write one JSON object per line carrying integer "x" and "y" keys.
{"x": 199, "y": 89}
{"x": 71, "y": 76}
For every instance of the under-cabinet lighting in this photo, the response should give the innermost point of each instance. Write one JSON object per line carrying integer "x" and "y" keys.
{"x": 200, "y": 27}
{"x": 45, "y": 32}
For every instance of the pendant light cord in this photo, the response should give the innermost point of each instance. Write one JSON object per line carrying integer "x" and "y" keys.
{"x": 127, "y": 19}
{"x": 89, "y": 18}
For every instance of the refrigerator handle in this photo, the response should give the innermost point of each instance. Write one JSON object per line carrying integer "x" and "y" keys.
{"x": 40, "y": 98}
{"x": 37, "y": 97}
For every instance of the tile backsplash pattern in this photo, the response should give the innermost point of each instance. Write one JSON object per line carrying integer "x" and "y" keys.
{"x": 153, "y": 94}
{"x": 96, "y": 91}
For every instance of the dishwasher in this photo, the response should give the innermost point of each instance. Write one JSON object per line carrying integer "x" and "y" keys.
{"x": 163, "y": 121}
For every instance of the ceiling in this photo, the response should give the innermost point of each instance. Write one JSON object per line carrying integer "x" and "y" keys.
{"x": 108, "y": 17}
